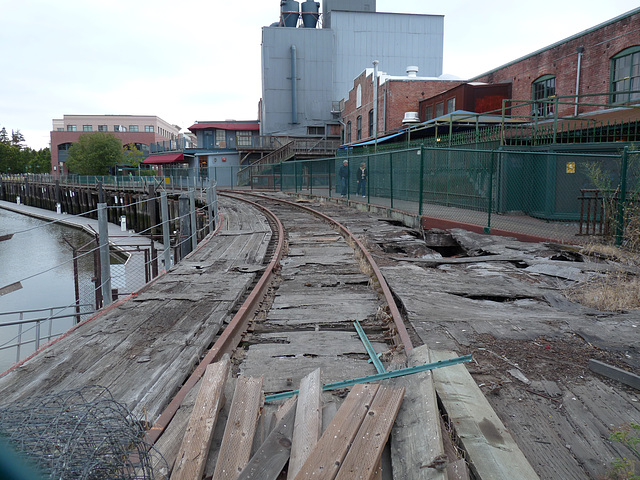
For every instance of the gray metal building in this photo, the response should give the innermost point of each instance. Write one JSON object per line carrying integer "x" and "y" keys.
{"x": 306, "y": 71}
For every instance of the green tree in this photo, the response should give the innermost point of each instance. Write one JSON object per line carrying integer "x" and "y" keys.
{"x": 133, "y": 156}
{"x": 95, "y": 154}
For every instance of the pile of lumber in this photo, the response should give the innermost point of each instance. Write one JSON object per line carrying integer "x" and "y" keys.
{"x": 350, "y": 447}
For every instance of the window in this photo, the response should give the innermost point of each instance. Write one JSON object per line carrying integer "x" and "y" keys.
{"x": 87, "y": 128}
{"x": 119, "y": 128}
{"x": 359, "y": 127}
{"x": 133, "y": 128}
{"x": 544, "y": 89}
{"x": 72, "y": 128}
{"x": 371, "y": 123}
{"x": 102, "y": 128}
{"x": 243, "y": 138}
{"x": 429, "y": 113}
{"x": 148, "y": 128}
{"x": 625, "y": 75}
{"x": 348, "y": 140}
{"x": 221, "y": 138}
{"x": 359, "y": 96}
{"x": 315, "y": 130}
{"x": 451, "y": 105}
{"x": 439, "y": 109}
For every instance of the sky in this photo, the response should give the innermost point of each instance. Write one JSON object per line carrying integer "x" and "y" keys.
{"x": 198, "y": 60}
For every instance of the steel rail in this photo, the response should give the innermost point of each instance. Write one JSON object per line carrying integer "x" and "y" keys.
{"x": 232, "y": 334}
{"x": 393, "y": 308}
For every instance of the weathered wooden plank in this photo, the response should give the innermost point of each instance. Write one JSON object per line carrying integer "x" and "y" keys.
{"x": 308, "y": 424}
{"x": 327, "y": 456}
{"x": 273, "y": 454}
{"x": 235, "y": 450}
{"x": 366, "y": 451}
{"x": 493, "y": 453}
{"x": 192, "y": 455}
{"x": 416, "y": 441}
{"x": 615, "y": 373}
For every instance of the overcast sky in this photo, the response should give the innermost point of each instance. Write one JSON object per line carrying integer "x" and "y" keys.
{"x": 200, "y": 60}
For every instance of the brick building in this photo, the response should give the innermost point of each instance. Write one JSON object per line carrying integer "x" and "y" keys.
{"x": 140, "y": 130}
{"x": 603, "y": 61}
{"x": 470, "y": 97}
{"x": 397, "y": 95}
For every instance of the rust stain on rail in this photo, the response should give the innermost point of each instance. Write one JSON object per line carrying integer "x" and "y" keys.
{"x": 231, "y": 336}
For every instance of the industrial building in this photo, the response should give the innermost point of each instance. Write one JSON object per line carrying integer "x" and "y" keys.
{"x": 309, "y": 60}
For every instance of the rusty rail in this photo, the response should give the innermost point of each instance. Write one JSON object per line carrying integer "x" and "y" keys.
{"x": 231, "y": 335}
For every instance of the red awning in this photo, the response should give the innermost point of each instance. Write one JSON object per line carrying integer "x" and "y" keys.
{"x": 169, "y": 158}
{"x": 241, "y": 127}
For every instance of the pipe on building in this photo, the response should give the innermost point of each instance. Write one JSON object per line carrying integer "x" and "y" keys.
{"x": 580, "y": 51}
{"x": 294, "y": 89}
{"x": 375, "y": 103}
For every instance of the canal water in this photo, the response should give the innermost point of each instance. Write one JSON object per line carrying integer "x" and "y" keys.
{"x": 41, "y": 260}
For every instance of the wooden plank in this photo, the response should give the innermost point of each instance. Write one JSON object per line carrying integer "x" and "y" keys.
{"x": 308, "y": 425}
{"x": 235, "y": 450}
{"x": 493, "y": 453}
{"x": 416, "y": 441}
{"x": 279, "y": 414}
{"x": 615, "y": 373}
{"x": 192, "y": 455}
{"x": 327, "y": 456}
{"x": 273, "y": 454}
{"x": 366, "y": 451}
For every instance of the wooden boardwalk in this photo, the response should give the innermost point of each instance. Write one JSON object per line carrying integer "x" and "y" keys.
{"x": 143, "y": 349}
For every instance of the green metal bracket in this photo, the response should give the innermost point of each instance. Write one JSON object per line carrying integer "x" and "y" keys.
{"x": 374, "y": 378}
{"x": 367, "y": 344}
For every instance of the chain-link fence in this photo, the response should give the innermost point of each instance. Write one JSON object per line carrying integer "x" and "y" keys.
{"x": 539, "y": 193}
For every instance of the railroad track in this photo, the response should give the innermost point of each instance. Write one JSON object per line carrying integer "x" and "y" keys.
{"x": 318, "y": 311}
{"x": 320, "y": 285}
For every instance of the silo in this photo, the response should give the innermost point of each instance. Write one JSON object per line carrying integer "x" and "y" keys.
{"x": 310, "y": 13}
{"x": 290, "y": 11}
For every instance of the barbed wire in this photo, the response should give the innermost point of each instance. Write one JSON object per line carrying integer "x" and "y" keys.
{"x": 82, "y": 434}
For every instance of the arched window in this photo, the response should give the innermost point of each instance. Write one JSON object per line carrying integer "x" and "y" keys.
{"x": 359, "y": 96}
{"x": 371, "y": 123}
{"x": 625, "y": 75}
{"x": 359, "y": 127}
{"x": 544, "y": 89}
{"x": 348, "y": 139}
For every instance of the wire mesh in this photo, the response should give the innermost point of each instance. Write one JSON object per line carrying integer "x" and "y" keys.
{"x": 533, "y": 192}
{"x": 79, "y": 434}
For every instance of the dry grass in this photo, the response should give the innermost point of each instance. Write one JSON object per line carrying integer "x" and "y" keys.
{"x": 615, "y": 292}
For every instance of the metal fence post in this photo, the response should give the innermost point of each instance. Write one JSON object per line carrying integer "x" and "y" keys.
{"x": 185, "y": 225}
{"x": 164, "y": 207}
{"x": 310, "y": 178}
{"x": 623, "y": 197}
{"x": 329, "y": 169}
{"x": 194, "y": 225}
{"x": 105, "y": 268}
{"x": 421, "y": 182}
{"x": 391, "y": 179}
{"x": 487, "y": 229}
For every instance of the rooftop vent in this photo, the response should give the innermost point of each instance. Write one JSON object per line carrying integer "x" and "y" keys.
{"x": 412, "y": 71}
{"x": 411, "y": 117}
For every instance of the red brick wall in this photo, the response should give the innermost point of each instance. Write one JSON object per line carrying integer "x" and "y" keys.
{"x": 395, "y": 98}
{"x": 599, "y": 47}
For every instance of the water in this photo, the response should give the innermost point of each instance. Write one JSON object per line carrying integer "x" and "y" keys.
{"x": 22, "y": 259}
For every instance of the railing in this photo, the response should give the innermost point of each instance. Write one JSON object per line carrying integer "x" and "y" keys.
{"x": 36, "y": 337}
{"x": 176, "y": 145}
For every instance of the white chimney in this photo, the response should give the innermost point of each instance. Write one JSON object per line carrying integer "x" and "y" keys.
{"x": 412, "y": 71}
